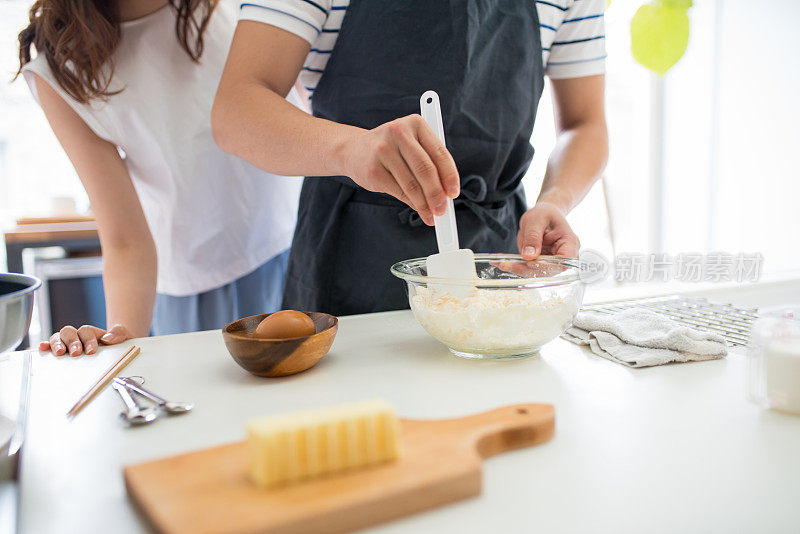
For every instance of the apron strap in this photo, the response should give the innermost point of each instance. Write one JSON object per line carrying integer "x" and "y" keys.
{"x": 475, "y": 197}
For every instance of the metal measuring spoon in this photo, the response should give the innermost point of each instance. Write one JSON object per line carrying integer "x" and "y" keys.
{"x": 134, "y": 414}
{"x": 170, "y": 407}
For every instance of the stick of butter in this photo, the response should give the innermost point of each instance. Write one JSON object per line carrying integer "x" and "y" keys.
{"x": 291, "y": 447}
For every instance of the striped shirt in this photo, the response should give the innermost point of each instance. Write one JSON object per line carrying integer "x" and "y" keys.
{"x": 572, "y": 32}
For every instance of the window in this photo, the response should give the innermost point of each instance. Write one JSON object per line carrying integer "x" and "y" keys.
{"x": 33, "y": 168}
{"x": 702, "y": 160}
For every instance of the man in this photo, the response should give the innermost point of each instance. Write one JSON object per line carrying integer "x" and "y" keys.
{"x": 378, "y": 171}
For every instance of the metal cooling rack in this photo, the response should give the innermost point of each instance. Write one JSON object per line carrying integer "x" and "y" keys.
{"x": 729, "y": 321}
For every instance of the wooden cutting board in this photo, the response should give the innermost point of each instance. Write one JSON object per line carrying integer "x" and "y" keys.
{"x": 209, "y": 490}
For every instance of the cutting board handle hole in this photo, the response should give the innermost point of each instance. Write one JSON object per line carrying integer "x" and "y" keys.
{"x": 430, "y": 100}
{"x": 522, "y": 411}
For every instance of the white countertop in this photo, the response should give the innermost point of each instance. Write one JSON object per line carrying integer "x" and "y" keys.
{"x": 667, "y": 449}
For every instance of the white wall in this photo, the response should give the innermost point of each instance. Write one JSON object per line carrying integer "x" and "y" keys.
{"x": 759, "y": 139}
{"x": 732, "y": 133}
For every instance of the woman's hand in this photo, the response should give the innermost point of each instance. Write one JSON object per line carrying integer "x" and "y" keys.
{"x": 543, "y": 229}
{"x": 84, "y": 339}
{"x": 405, "y": 159}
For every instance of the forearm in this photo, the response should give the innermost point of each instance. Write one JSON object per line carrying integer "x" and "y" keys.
{"x": 129, "y": 280}
{"x": 252, "y": 120}
{"x": 129, "y": 256}
{"x": 575, "y": 164}
{"x": 256, "y": 124}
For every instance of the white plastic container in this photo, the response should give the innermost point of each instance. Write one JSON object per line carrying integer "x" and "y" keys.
{"x": 774, "y": 371}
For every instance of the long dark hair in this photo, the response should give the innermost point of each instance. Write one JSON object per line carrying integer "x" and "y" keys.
{"x": 79, "y": 37}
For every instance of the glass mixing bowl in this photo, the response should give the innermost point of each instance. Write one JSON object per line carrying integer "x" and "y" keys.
{"x": 511, "y": 310}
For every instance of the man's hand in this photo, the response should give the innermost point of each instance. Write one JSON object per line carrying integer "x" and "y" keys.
{"x": 575, "y": 163}
{"x": 543, "y": 229}
{"x": 405, "y": 159}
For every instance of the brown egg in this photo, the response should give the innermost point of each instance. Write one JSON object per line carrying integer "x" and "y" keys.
{"x": 285, "y": 324}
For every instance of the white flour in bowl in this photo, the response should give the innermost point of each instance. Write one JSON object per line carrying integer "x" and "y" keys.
{"x": 492, "y": 319}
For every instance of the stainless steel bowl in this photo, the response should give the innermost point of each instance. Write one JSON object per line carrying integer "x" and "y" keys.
{"x": 16, "y": 306}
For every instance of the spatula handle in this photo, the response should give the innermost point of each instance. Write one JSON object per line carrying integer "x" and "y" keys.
{"x": 507, "y": 428}
{"x": 446, "y": 232}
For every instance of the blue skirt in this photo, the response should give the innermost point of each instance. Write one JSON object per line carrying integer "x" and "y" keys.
{"x": 260, "y": 291}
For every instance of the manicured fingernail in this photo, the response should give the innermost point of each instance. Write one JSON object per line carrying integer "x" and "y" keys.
{"x": 74, "y": 349}
{"x": 529, "y": 251}
{"x": 90, "y": 347}
{"x": 108, "y": 337}
{"x": 43, "y": 346}
{"x": 59, "y": 349}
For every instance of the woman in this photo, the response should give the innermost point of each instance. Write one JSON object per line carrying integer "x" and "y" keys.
{"x": 367, "y": 63}
{"x": 192, "y": 237}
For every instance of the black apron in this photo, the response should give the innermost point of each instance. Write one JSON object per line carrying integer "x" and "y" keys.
{"x": 484, "y": 59}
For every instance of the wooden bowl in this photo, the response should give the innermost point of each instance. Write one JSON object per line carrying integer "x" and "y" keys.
{"x": 278, "y": 357}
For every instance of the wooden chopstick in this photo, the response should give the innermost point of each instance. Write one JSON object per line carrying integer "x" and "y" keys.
{"x": 104, "y": 380}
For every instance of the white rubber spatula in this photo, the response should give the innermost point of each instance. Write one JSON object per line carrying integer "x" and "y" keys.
{"x": 451, "y": 261}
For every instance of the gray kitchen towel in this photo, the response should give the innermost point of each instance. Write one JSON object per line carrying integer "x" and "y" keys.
{"x": 641, "y": 338}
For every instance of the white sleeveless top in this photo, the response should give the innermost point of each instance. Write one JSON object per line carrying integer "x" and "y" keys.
{"x": 213, "y": 216}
